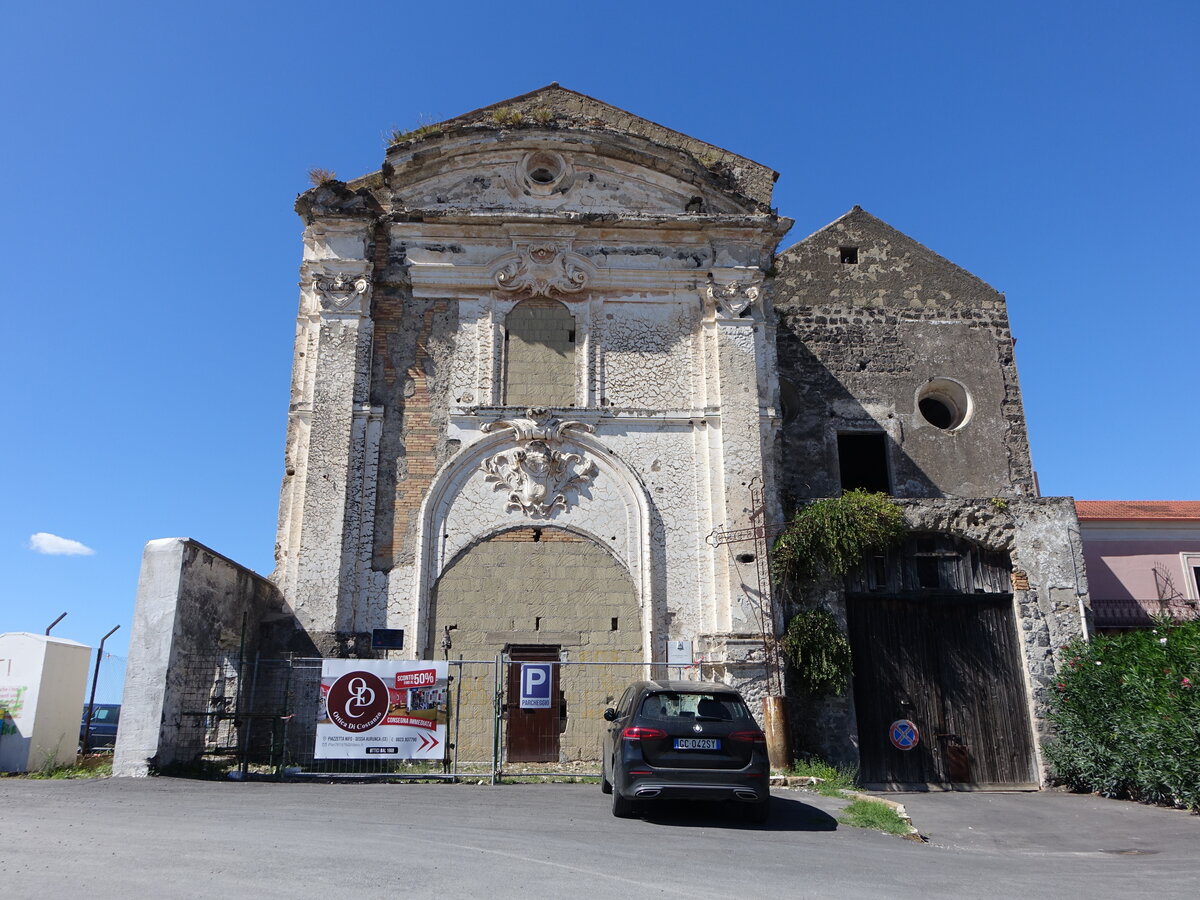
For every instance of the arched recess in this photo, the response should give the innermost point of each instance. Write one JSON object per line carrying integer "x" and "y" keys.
{"x": 546, "y": 593}
{"x": 539, "y": 354}
{"x": 537, "y": 585}
{"x": 613, "y": 509}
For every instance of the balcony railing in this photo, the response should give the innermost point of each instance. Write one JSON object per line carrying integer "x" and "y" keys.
{"x": 1141, "y": 613}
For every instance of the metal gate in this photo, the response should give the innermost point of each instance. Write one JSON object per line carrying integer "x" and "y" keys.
{"x": 257, "y": 718}
{"x": 951, "y": 665}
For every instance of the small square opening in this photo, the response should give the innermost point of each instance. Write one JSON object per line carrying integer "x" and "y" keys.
{"x": 849, "y": 255}
{"x": 862, "y": 460}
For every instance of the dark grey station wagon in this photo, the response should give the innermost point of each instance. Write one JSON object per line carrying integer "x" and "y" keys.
{"x": 684, "y": 740}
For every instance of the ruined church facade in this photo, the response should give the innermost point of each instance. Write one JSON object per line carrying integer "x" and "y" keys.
{"x": 549, "y": 363}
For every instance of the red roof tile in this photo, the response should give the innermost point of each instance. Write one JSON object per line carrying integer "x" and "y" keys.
{"x": 1138, "y": 509}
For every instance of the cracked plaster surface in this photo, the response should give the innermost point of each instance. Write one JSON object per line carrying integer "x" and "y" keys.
{"x": 649, "y": 355}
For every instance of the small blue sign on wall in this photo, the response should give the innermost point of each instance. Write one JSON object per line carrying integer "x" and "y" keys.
{"x": 535, "y": 685}
{"x": 904, "y": 734}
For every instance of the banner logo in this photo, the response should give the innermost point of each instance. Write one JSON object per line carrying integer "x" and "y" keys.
{"x": 358, "y": 701}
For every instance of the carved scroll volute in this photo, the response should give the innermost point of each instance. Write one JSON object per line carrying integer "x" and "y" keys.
{"x": 542, "y": 270}
{"x": 342, "y": 293}
{"x": 537, "y": 475}
{"x": 732, "y": 291}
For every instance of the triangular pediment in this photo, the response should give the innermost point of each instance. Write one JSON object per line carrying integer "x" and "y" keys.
{"x": 887, "y": 267}
{"x": 569, "y": 107}
{"x": 557, "y": 151}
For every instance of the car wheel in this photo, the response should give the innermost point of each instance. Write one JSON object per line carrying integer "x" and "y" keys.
{"x": 757, "y": 812}
{"x": 605, "y": 784}
{"x": 622, "y": 806}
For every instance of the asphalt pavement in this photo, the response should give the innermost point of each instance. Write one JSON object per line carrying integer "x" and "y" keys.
{"x": 160, "y": 837}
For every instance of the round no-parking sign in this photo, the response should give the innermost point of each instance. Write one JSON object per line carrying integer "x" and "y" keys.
{"x": 904, "y": 734}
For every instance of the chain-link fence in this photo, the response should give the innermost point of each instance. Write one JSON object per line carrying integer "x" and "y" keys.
{"x": 505, "y": 718}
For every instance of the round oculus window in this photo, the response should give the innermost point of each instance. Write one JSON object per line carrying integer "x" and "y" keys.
{"x": 944, "y": 403}
{"x": 544, "y": 171}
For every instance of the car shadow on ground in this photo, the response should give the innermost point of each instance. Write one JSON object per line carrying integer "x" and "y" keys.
{"x": 787, "y": 814}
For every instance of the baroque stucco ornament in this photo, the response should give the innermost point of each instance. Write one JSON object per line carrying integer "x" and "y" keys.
{"x": 542, "y": 270}
{"x": 734, "y": 291}
{"x": 340, "y": 292}
{"x": 537, "y": 475}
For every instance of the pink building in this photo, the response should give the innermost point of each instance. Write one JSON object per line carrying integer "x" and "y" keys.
{"x": 1143, "y": 558}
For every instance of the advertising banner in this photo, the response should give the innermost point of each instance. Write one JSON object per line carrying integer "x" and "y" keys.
{"x": 382, "y": 709}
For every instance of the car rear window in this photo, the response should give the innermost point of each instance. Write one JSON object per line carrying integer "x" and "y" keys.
{"x": 670, "y": 705}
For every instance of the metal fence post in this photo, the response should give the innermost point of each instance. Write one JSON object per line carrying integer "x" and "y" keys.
{"x": 457, "y": 713}
{"x": 496, "y": 721}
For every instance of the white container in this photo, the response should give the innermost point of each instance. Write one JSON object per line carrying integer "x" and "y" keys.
{"x": 42, "y": 685}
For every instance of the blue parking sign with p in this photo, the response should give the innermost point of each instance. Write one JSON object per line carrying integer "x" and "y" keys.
{"x": 535, "y": 685}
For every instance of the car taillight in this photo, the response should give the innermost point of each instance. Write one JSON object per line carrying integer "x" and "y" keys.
{"x": 749, "y": 737}
{"x": 637, "y": 733}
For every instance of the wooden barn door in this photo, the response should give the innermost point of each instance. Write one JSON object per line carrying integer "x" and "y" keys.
{"x": 951, "y": 665}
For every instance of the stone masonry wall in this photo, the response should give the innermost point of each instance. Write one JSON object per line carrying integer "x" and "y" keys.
{"x": 541, "y": 586}
{"x": 857, "y": 342}
{"x": 539, "y": 354}
{"x": 414, "y": 341}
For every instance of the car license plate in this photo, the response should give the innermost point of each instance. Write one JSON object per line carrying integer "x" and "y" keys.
{"x": 697, "y": 743}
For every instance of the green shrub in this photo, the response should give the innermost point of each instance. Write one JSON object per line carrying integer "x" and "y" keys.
{"x": 819, "y": 653}
{"x": 832, "y": 535}
{"x": 1127, "y": 713}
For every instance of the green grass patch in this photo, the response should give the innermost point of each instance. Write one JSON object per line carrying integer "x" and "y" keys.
{"x": 874, "y": 815}
{"x": 834, "y": 779}
{"x": 86, "y": 768}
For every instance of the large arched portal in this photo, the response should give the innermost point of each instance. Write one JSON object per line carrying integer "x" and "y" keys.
{"x": 545, "y": 594}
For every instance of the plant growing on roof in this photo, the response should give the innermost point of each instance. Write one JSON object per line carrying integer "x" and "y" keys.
{"x": 319, "y": 177}
{"x": 426, "y": 127}
{"x": 506, "y": 115}
{"x": 831, "y": 536}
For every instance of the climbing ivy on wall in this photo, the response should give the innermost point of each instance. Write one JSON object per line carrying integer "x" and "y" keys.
{"x": 818, "y": 651}
{"x": 831, "y": 536}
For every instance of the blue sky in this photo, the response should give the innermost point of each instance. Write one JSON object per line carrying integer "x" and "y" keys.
{"x": 153, "y": 154}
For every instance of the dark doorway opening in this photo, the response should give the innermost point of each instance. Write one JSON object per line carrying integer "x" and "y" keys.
{"x": 862, "y": 461}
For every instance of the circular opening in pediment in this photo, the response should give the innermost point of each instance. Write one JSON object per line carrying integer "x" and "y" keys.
{"x": 544, "y": 171}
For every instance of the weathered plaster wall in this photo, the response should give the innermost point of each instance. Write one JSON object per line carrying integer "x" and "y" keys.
{"x": 668, "y": 327}
{"x": 192, "y": 606}
{"x": 554, "y": 110}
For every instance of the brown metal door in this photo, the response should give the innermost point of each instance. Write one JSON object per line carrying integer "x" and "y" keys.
{"x": 951, "y": 665}
{"x": 532, "y": 734}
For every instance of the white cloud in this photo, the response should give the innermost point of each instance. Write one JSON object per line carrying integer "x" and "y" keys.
{"x": 53, "y": 545}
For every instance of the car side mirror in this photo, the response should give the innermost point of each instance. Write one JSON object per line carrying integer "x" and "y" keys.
{"x": 610, "y": 714}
